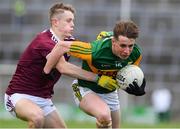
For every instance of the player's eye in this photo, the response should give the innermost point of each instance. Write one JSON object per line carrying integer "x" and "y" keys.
{"x": 123, "y": 45}
{"x": 69, "y": 20}
{"x": 131, "y": 46}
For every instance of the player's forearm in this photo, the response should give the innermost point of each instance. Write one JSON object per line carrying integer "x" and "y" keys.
{"x": 53, "y": 57}
{"x": 83, "y": 74}
{"x": 76, "y": 72}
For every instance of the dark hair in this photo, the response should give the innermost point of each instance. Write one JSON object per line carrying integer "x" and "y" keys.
{"x": 126, "y": 28}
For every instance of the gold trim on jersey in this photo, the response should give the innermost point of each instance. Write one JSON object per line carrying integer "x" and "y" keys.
{"x": 81, "y": 50}
{"x": 138, "y": 60}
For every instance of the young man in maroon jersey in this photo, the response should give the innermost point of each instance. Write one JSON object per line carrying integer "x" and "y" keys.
{"x": 28, "y": 96}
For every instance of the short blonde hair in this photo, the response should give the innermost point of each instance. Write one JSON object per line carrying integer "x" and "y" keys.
{"x": 59, "y": 8}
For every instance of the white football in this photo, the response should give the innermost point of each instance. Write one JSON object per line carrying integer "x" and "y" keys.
{"x": 128, "y": 74}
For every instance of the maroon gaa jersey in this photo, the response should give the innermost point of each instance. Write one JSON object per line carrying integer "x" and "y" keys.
{"x": 28, "y": 77}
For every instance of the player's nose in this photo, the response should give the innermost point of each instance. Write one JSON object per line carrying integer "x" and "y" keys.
{"x": 127, "y": 51}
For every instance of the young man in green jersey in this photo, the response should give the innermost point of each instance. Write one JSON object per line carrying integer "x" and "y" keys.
{"x": 105, "y": 56}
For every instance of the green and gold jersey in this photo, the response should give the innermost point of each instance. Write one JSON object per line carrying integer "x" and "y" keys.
{"x": 97, "y": 57}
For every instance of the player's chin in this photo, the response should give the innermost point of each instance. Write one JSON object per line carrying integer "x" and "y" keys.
{"x": 71, "y": 32}
{"x": 123, "y": 57}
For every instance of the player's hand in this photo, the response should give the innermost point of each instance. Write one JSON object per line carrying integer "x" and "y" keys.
{"x": 134, "y": 89}
{"x": 70, "y": 38}
{"x": 107, "y": 82}
{"x": 49, "y": 76}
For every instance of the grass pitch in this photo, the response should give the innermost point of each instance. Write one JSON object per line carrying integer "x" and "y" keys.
{"x": 15, "y": 123}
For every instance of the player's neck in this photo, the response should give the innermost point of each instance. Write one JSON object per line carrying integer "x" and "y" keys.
{"x": 58, "y": 34}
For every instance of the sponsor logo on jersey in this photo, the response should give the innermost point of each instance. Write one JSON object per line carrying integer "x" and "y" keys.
{"x": 111, "y": 73}
{"x": 105, "y": 65}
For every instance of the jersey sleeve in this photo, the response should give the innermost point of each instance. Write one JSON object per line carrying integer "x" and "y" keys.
{"x": 81, "y": 50}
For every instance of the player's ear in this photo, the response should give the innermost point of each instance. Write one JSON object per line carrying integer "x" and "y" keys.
{"x": 113, "y": 40}
{"x": 54, "y": 21}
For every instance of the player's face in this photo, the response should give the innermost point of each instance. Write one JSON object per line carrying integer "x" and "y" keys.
{"x": 123, "y": 46}
{"x": 65, "y": 24}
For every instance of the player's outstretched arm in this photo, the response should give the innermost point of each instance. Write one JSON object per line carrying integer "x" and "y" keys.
{"x": 77, "y": 72}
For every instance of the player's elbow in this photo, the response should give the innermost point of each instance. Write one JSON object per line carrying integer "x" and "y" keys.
{"x": 62, "y": 67}
{"x": 63, "y": 46}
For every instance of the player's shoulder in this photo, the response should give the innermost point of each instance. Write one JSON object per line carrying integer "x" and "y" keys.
{"x": 102, "y": 43}
{"x": 104, "y": 34}
{"x": 44, "y": 35}
{"x": 43, "y": 38}
{"x": 137, "y": 48}
{"x": 136, "y": 53}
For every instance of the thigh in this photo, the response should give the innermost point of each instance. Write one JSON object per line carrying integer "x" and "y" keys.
{"x": 26, "y": 109}
{"x": 111, "y": 100}
{"x": 54, "y": 120}
{"x": 93, "y": 105}
{"x": 115, "y": 115}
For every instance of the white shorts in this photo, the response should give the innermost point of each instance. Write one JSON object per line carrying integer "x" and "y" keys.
{"x": 111, "y": 99}
{"x": 45, "y": 104}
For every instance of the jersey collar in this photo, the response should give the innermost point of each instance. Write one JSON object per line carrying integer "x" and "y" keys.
{"x": 54, "y": 36}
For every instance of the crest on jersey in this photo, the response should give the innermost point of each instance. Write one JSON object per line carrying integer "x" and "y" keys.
{"x": 118, "y": 64}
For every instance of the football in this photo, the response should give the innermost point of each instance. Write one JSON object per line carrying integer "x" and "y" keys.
{"x": 128, "y": 74}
